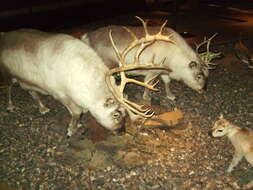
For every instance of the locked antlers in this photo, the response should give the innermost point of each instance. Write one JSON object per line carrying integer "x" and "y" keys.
{"x": 208, "y": 55}
{"x": 133, "y": 108}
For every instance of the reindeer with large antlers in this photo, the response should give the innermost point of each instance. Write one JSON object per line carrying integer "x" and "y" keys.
{"x": 185, "y": 64}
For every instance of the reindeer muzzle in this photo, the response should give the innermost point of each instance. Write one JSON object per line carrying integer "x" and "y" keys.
{"x": 204, "y": 88}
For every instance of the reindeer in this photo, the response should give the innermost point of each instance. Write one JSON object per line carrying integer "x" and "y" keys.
{"x": 185, "y": 63}
{"x": 63, "y": 67}
{"x": 242, "y": 140}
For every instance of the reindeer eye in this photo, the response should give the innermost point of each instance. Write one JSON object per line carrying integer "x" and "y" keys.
{"x": 117, "y": 115}
{"x": 192, "y": 64}
{"x": 220, "y": 130}
{"x": 109, "y": 102}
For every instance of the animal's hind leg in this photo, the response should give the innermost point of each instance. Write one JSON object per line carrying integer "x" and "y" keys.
{"x": 42, "y": 108}
{"x": 10, "y": 106}
{"x": 150, "y": 77}
{"x": 248, "y": 185}
{"x": 249, "y": 158}
{"x": 236, "y": 159}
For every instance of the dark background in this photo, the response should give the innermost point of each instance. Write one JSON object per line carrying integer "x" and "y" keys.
{"x": 55, "y": 14}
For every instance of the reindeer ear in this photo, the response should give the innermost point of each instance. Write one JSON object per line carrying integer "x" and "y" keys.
{"x": 193, "y": 64}
{"x": 110, "y": 102}
{"x": 221, "y": 116}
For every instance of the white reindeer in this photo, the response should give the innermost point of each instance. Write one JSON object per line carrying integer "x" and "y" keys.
{"x": 185, "y": 63}
{"x": 63, "y": 67}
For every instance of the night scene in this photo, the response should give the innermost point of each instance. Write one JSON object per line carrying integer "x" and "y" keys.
{"x": 126, "y": 95}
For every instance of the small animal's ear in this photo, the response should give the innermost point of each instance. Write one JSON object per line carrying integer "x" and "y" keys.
{"x": 221, "y": 116}
{"x": 110, "y": 102}
{"x": 193, "y": 64}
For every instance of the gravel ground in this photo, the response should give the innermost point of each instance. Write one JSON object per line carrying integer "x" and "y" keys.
{"x": 35, "y": 153}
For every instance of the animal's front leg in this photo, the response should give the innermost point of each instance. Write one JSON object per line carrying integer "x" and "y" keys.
{"x": 146, "y": 94}
{"x": 75, "y": 112}
{"x": 236, "y": 158}
{"x": 42, "y": 108}
{"x": 166, "y": 79}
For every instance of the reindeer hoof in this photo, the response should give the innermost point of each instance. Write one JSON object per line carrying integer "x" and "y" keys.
{"x": 69, "y": 133}
{"x": 147, "y": 98}
{"x": 11, "y": 108}
{"x": 228, "y": 171}
{"x": 248, "y": 185}
{"x": 171, "y": 98}
{"x": 43, "y": 110}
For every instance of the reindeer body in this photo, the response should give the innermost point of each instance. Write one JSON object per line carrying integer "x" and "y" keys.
{"x": 63, "y": 67}
{"x": 242, "y": 140}
{"x": 180, "y": 58}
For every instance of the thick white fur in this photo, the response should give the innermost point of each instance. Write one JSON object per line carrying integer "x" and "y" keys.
{"x": 63, "y": 67}
{"x": 178, "y": 56}
{"x": 242, "y": 140}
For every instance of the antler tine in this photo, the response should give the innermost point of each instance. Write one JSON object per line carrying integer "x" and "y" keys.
{"x": 199, "y": 45}
{"x": 131, "y": 107}
{"x": 163, "y": 60}
{"x": 146, "y": 38}
{"x": 208, "y": 56}
{"x": 209, "y": 41}
{"x": 205, "y": 41}
{"x": 139, "y": 109}
{"x": 131, "y": 33}
{"x": 115, "y": 49}
{"x": 140, "y": 49}
{"x": 162, "y": 27}
{"x": 144, "y": 25}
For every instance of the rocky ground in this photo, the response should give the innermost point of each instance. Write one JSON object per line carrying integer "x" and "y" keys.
{"x": 35, "y": 153}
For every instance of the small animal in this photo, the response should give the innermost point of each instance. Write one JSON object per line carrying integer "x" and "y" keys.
{"x": 242, "y": 140}
{"x": 243, "y": 53}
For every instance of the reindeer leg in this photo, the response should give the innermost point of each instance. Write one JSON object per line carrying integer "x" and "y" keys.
{"x": 75, "y": 112}
{"x": 146, "y": 94}
{"x": 10, "y": 106}
{"x": 248, "y": 185}
{"x": 166, "y": 79}
{"x": 236, "y": 159}
{"x": 42, "y": 108}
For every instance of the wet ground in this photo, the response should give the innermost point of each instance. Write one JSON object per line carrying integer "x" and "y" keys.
{"x": 35, "y": 153}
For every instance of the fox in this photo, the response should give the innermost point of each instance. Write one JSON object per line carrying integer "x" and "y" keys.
{"x": 242, "y": 140}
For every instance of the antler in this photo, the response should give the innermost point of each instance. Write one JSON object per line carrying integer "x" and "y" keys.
{"x": 207, "y": 56}
{"x": 118, "y": 91}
